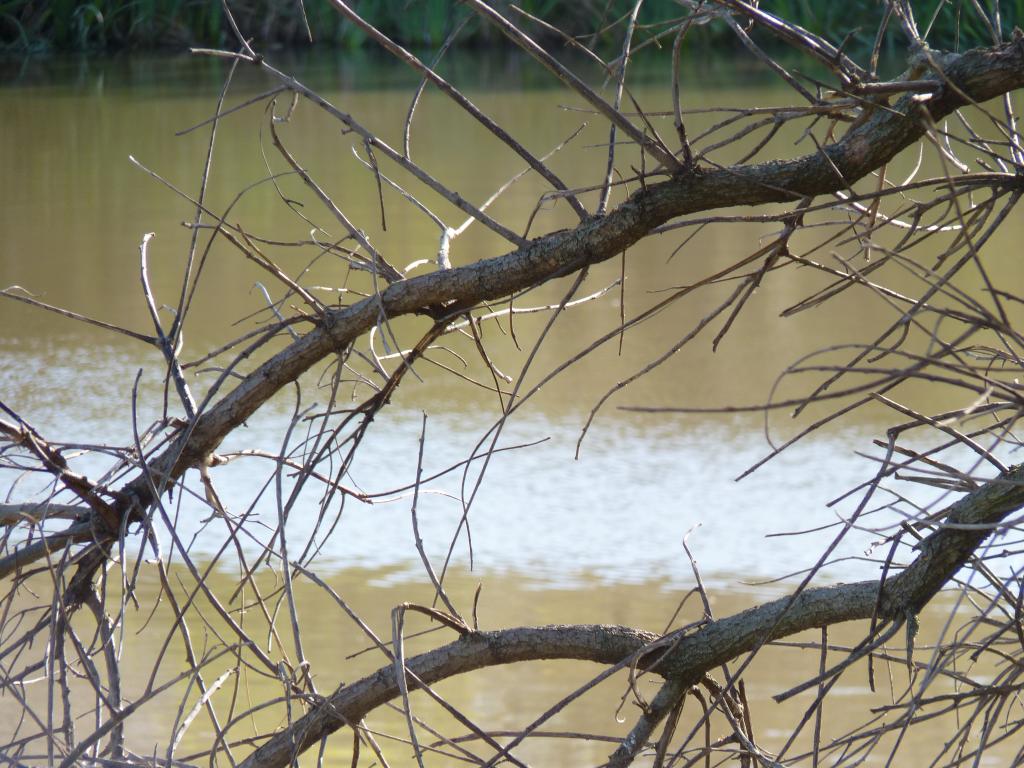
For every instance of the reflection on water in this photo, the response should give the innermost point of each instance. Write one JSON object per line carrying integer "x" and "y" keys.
{"x": 638, "y": 488}
{"x": 598, "y": 539}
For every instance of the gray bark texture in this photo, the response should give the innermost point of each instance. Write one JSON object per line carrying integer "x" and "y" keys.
{"x": 682, "y": 188}
{"x": 966, "y": 524}
{"x": 972, "y": 77}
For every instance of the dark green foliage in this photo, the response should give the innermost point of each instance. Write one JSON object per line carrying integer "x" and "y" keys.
{"x": 946, "y": 24}
{"x": 28, "y": 26}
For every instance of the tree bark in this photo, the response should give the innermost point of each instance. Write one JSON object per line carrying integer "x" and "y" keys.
{"x": 965, "y": 526}
{"x": 972, "y": 77}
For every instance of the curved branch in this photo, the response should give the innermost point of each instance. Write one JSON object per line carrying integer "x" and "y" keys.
{"x": 35, "y": 513}
{"x": 974, "y": 76}
{"x": 966, "y": 524}
{"x": 25, "y": 555}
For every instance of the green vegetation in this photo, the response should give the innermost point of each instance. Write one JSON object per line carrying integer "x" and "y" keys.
{"x": 950, "y": 24}
{"x": 40, "y": 26}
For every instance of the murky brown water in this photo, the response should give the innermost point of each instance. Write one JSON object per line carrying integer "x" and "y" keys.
{"x": 555, "y": 540}
{"x": 499, "y": 699}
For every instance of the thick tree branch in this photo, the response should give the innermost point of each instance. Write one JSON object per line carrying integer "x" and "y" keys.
{"x": 966, "y": 524}
{"x": 975, "y": 76}
{"x": 70, "y": 546}
{"x": 12, "y": 514}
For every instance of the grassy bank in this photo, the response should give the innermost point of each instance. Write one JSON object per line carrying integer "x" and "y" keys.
{"x": 41, "y": 26}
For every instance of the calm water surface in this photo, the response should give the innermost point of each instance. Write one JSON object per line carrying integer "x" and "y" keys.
{"x": 553, "y": 539}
